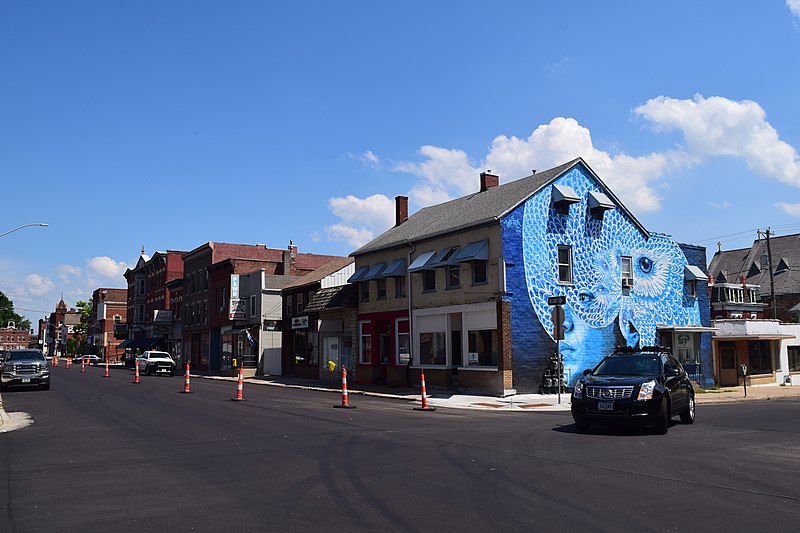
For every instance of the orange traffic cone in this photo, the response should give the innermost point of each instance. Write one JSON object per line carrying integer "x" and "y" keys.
{"x": 344, "y": 404}
{"x": 69, "y": 361}
{"x": 55, "y": 360}
{"x": 186, "y": 388}
{"x": 106, "y": 374}
{"x": 239, "y": 387}
{"x": 136, "y": 378}
{"x": 424, "y": 395}
{"x": 83, "y": 365}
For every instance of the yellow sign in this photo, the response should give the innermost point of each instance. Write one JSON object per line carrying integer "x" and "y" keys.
{"x": 331, "y": 366}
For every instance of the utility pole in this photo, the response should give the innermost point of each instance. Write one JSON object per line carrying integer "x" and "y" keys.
{"x": 767, "y": 234}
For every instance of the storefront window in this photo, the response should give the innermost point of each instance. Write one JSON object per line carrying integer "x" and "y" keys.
{"x": 300, "y": 347}
{"x": 483, "y": 347}
{"x": 794, "y": 358}
{"x": 365, "y": 354}
{"x": 432, "y": 349}
{"x": 226, "y": 361}
{"x": 759, "y": 358}
{"x": 403, "y": 348}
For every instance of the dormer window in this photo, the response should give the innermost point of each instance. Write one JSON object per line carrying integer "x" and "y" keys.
{"x": 691, "y": 275}
{"x": 599, "y": 203}
{"x": 562, "y": 198}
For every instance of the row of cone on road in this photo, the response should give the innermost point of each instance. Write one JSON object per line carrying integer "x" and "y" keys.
{"x": 240, "y": 385}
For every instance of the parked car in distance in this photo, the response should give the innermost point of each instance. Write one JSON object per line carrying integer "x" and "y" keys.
{"x": 89, "y": 359}
{"x": 24, "y": 368}
{"x": 644, "y": 387}
{"x": 152, "y": 361}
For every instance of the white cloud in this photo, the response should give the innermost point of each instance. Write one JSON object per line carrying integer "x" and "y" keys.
{"x": 363, "y": 218}
{"x": 711, "y": 127}
{"x": 633, "y": 179}
{"x": 369, "y": 158}
{"x": 106, "y": 267}
{"x": 790, "y": 209}
{"x": 718, "y": 126}
{"x": 794, "y": 6}
{"x": 36, "y": 285}
{"x": 68, "y": 272}
{"x": 725, "y": 204}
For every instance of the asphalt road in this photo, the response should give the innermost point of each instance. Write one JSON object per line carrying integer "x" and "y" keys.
{"x": 104, "y": 454}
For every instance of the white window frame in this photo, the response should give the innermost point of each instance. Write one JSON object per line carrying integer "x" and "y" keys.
{"x": 399, "y": 360}
{"x": 568, "y": 265}
{"x": 361, "y": 335}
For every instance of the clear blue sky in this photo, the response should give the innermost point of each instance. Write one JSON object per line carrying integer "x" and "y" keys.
{"x": 171, "y": 123}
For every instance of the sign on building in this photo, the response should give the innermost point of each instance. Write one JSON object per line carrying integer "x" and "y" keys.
{"x": 234, "y": 286}
{"x": 238, "y": 307}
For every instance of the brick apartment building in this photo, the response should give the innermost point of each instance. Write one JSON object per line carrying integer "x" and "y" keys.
{"x": 106, "y": 331}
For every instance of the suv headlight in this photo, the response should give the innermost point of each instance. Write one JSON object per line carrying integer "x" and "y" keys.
{"x": 646, "y": 390}
{"x": 577, "y": 392}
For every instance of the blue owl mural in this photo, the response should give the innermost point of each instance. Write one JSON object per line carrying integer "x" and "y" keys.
{"x": 600, "y": 251}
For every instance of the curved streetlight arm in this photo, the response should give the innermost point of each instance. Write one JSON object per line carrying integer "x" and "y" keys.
{"x": 22, "y": 226}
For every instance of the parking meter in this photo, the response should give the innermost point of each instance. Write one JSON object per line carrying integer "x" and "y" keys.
{"x": 743, "y": 372}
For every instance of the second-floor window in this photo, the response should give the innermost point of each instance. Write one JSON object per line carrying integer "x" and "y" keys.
{"x": 479, "y": 272}
{"x": 363, "y": 288}
{"x": 454, "y": 276}
{"x": 253, "y": 305}
{"x": 428, "y": 280}
{"x": 565, "y": 264}
{"x": 399, "y": 287}
{"x": 381, "y": 289}
{"x": 300, "y": 303}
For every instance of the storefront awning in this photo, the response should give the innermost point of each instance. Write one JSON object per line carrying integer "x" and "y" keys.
{"x": 422, "y": 261}
{"x": 374, "y": 272}
{"x": 358, "y": 275}
{"x": 125, "y": 343}
{"x": 396, "y": 269}
{"x": 474, "y": 251}
{"x": 754, "y": 337}
{"x": 686, "y": 329}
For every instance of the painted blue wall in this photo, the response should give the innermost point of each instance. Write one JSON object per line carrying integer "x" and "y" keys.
{"x": 600, "y": 314}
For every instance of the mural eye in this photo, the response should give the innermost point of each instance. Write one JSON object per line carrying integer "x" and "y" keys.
{"x": 645, "y": 264}
{"x": 585, "y": 296}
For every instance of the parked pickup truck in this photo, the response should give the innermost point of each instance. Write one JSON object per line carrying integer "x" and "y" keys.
{"x": 151, "y": 362}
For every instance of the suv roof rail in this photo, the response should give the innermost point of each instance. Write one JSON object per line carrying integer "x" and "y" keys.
{"x": 629, "y": 349}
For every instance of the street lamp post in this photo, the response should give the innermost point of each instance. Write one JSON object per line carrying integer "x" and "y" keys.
{"x": 22, "y": 226}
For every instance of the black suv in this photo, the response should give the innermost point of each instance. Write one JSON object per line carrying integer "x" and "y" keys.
{"x": 24, "y": 367}
{"x": 644, "y": 387}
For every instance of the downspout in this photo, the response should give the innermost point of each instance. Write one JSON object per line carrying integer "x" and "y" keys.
{"x": 410, "y": 321}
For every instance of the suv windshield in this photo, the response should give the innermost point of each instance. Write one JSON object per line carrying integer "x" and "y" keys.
{"x": 17, "y": 356}
{"x": 628, "y": 366}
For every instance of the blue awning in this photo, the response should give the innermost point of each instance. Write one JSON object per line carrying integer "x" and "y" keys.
{"x": 445, "y": 257}
{"x": 396, "y": 269}
{"x": 374, "y": 272}
{"x": 358, "y": 275}
{"x": 422, "y": 262}
{"x": 474, "y": 251}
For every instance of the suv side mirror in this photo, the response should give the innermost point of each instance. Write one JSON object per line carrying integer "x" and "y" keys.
{"x": 671, "y": 371}
{"x": 587, "y": 371}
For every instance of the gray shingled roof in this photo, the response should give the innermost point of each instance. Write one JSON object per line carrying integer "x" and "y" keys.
{"x": 474, "y": 209}
{"x": 471, "y": 210}
{"x": 747, "y": 262}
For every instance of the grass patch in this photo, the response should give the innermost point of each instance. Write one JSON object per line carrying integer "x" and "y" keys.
{"x": 715, "y": 390}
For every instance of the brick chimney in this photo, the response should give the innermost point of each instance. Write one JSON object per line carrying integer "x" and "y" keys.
{"x": 400, "y": 209}
{"x": 289, "y": 255}
{"x": 488, "y": 180}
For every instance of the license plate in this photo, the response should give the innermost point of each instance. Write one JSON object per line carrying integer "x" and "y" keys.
{"x": 605, "y": 406}
{"x": 26, "y": 380}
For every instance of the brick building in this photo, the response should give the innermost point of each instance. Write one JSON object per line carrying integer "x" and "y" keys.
{"x": 149, "y": 316}
{"x": 13, "y": 338}
{"x": 106, "y": 331}
{"x": 208, "y": 326}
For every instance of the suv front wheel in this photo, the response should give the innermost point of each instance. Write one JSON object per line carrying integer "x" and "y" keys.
{"x": 687, "y": 415}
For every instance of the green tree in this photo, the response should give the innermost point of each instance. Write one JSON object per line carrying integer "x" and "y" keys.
{"x": 80, "y": 331}
{"x": 7, "y": 314}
